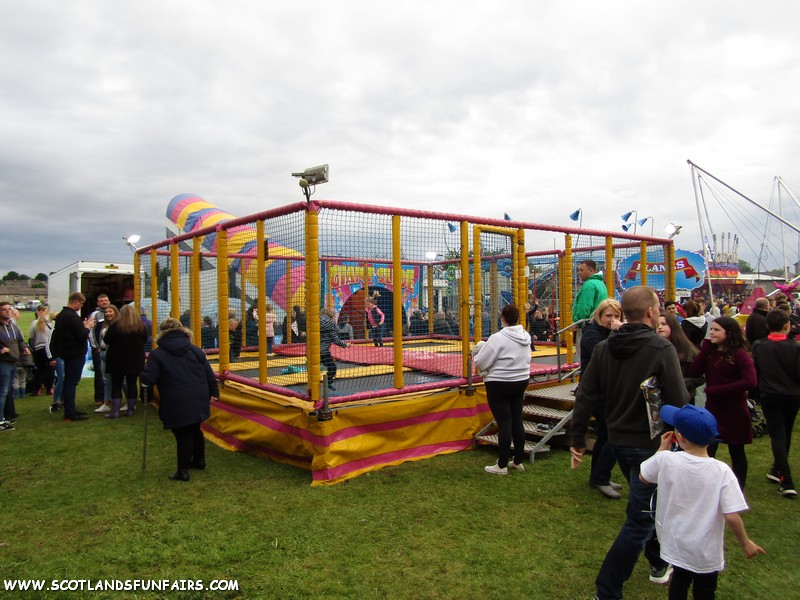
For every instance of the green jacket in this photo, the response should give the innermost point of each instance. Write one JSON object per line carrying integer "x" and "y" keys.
{"x": 592, "y": 292}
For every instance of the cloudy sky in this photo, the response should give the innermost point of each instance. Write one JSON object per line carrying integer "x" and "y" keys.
{"x": 108, "y": 110}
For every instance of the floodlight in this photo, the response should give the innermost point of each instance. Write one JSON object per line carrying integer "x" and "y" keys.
{"x": 313, "y": 176}
{"x": 131, "y": 241}
{"x": 672, "y": 230}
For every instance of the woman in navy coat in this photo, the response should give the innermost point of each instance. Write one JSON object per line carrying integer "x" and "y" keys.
{"x": 186, "y": 387}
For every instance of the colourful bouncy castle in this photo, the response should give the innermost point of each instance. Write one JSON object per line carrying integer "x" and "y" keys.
{"x": 285, "y": 286}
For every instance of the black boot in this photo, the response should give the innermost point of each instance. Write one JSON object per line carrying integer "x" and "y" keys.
{"x": 180, "y": 475}
{"x": 200, "y": 465}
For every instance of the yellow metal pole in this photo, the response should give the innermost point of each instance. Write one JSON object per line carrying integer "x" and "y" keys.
{"x": 261, "y": 294}
{"x": 222, "y": 301}
{"x": 154, "y": 295}
{"x": 494, "y": 295}
{"x": 643, "y": 263}
{"x": 430, "y": 298}
{"x": 312, "y": 302}
{"x": 609, "y": 273}
{"x": 194, "y": 292}
{"x": 477, "y": 284}
{"x": 243, "y": 302}
{"x": 397, "y": 303}
{"x": 568, "y": 292}
{"x": 174, "y": 282}
{"x": 669, "y": 279}
{"x": 463, "y": 300}
{"x": 137, "y": 284}
{"x": 521, "y": 281}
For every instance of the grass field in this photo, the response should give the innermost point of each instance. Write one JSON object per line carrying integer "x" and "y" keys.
{"x": 77, "y": 505}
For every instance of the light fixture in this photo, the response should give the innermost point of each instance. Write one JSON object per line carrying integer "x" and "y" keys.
{"x": 311, "y": 177}
{"x": 627, "y": 216}
{"x": 131, "y": 241}
{"x": 672, "y": 230}
{"x": 643, "y": 221}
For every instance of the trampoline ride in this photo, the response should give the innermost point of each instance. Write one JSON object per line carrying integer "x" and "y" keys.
{"x": 414, "y": 395}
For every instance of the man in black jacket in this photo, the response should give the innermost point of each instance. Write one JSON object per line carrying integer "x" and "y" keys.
{"x": 777, "y": 361}
{"x": 618, "y": 367}
{"x": 756, "y": 326}
{"x": 68, "y": 342}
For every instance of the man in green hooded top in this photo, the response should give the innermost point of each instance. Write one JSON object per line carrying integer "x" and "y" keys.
{"x": 592, "y": 292}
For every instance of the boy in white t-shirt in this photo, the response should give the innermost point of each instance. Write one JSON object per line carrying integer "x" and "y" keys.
{"x": 697, "y": 496}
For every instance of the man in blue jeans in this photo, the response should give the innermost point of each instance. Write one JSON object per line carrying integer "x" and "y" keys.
{"x": 618, "y": 367}
{"x": 69, "y": 342}
{"x": 12, "y": 346}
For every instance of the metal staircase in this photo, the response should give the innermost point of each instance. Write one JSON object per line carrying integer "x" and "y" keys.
{"x": 547, "y": 412}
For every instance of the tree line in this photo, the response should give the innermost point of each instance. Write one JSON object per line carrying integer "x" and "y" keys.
{"x": 14, "y": 276}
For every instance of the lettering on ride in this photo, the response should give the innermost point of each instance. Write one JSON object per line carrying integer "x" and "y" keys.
{"x": 681, "y": 265}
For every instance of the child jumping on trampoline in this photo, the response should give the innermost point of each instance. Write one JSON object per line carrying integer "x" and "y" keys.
{"x": 375, "y": 317}
{"x": 697, "y": 496}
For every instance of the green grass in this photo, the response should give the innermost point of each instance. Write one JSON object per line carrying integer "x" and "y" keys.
{"x": 76, "y": 504}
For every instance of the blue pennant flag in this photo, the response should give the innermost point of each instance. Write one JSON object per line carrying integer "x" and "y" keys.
{"x": 506, "y": 217}
{"x": 451, "y": 227}
{"x": 576, "y": 215}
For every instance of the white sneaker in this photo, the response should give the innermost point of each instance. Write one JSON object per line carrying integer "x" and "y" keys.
{"x": 495, "y": 470}
{"x": 105, "y": 408}
{"x": 515, "y": 466}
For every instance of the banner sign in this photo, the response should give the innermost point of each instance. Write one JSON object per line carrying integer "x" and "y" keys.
{"x": 690, "y": 268}
{"x": 344, "y": 278}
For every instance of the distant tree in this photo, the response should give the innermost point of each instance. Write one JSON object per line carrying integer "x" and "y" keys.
{"x": 744, "y": 267}
{"x": 41, "y": 277}
{"x": 776, "y": 272}
{"x": 11, "y": 276}
{"x": 23, "y": 277}
{"x": 37, "y": 284}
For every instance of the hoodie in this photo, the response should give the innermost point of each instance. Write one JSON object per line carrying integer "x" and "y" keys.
{"x": 695, "y": 329}
{"x": 506, "y": 355}
{"x": 592, "y": 293}
{"x": 618, "y": 367}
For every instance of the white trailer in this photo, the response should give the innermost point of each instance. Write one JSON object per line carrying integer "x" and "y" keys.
{"x": 91, "y": 279}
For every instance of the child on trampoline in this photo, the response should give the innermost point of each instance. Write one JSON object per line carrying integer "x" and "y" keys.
{"x": 697, "y": 496}
{"x": 375, "y": 317}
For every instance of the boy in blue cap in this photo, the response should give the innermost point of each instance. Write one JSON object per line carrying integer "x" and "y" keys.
{"x": 697, "y": 496}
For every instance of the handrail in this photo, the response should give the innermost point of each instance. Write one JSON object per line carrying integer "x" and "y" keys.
{"x": 575, "y": 325}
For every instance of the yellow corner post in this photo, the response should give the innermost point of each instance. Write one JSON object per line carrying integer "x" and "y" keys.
{"x": 312, "y": 301}
{"x": 174, "y": 282}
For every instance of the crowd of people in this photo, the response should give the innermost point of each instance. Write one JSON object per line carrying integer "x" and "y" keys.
{"x": 708, "y": 370}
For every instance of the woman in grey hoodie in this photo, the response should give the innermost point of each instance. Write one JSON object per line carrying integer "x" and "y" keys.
{"x": 506, "y": 361}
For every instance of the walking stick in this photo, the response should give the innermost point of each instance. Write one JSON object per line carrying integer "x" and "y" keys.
{"x": 144, "y": 445}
